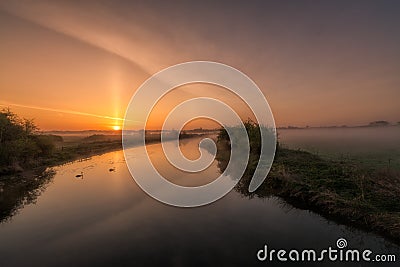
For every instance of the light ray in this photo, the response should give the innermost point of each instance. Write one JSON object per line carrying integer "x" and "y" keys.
{"x": 64, "y": 111}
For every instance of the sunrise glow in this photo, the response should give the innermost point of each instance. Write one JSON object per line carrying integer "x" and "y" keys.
{"x": 89, "y": 72}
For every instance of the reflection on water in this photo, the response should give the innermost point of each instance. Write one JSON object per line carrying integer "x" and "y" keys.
{"x": 189, "y": 148}
{"x": 104, "y": 219}
{"x": 21, "y": 190}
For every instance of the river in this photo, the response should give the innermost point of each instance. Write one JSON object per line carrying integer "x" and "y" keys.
{"x": 105, "y": 219}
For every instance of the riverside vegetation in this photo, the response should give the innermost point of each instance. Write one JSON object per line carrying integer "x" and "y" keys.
{"x": 24, "y": 149}
{"x": 338, "y": 190}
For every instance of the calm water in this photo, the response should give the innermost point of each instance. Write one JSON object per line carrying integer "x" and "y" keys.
{"x": 104, "y": 219}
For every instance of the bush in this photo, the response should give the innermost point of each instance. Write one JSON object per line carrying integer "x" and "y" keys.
{"x": 19, "y": 144}
{"x": 45, "y": 143}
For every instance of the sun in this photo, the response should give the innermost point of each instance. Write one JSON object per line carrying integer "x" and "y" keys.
{"x": 116, "y": 127}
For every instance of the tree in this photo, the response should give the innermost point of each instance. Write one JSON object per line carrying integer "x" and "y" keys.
{"x": 29, "y": 126}
{"x": 10, "y": 126}
{"x": 19, "y": 144}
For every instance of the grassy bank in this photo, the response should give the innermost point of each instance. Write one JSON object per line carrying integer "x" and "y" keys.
{"x": 97, "y": 144}
{"x": 337, "y": 190}
{"x": 61, "y": 152}
{"x": 66, "y": 149}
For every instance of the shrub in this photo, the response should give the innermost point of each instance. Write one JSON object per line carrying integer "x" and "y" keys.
{"x": 19, "y": 144}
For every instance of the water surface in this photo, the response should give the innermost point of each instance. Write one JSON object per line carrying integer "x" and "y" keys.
{"x": 104, "y": 219}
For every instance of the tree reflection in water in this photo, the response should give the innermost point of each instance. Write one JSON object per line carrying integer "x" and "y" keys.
{"x": 20, "y": 190}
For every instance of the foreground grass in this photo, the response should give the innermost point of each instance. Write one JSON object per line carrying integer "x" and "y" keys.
{"x": 337, "y": 190}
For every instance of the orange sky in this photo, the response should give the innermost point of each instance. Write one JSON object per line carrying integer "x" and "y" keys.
{"x": 75, "y": 66}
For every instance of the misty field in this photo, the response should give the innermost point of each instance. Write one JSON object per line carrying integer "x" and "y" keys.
{"x": 369, "y": 147}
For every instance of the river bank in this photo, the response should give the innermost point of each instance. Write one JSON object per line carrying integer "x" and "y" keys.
{"x": 76, "y": 148}
{"x": 337, "y": 190}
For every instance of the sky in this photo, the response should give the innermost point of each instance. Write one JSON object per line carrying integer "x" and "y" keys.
{"x": 74, "y": 65}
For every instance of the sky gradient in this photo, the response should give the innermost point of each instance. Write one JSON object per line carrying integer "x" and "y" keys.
{"x": 74, "y": 66}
